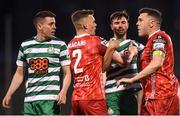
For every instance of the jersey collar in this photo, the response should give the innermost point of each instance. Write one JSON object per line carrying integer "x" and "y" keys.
{"x": 154, "y": 33}
{"x": 78, "y": 36}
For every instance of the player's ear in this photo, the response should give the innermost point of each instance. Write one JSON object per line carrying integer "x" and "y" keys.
{"x": 111, "y": 26}
{"x": 151, "y": 22}
{"x": 39, "y": 26}
{"x": 127, "y": 24}
{"x": 85, "y": 26}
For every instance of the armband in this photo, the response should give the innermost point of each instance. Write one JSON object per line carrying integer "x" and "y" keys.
{"x": 159, "y": 52}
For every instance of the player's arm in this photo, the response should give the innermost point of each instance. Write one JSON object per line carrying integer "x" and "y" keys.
{"x": 111, "y": 54}
{"x": 15, "y": 83}
{"x": 66, "y": 83}
{"x": 156, "y": 62}
{"x": 135, "y": 49}
{"x": 118, "y": 59}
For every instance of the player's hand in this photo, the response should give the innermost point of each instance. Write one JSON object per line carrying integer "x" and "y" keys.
{"x": 113, "y": 44}
{"x": 124, "y": 82}
{"x": 61, "y": 98}
{"x": 6, "y": 101}
{"x": 133, "y": 51}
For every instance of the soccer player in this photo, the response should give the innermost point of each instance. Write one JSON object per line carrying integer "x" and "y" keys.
{"x": 86, "y": 54}
{"x": 43, "y": 56}
{"x": 157, "y": 63}
{"x": 123, "y": 100}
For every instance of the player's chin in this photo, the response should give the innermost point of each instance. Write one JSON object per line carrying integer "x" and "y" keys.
{"x": 52, "y": 34}
{"x": 139, "y": 33}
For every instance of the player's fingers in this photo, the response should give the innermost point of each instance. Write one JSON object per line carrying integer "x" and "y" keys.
{"x": 64, "y": 101}
{"x": 118, "y": 83}
{"x": 6, "y": 103}
{"x": 131, "y": 43}
{"x": 59, "y": 101}
{"x": 130, "y": 58}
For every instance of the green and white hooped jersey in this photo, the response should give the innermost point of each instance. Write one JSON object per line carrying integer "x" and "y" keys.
{"x": 116, "y": 72}
{"x": 44, "y": 61}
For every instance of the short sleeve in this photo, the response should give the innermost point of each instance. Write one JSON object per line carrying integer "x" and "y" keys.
{"x": 21, "y": 60}
{"x": 64, "y": 55}
{"x": 159, "y": 43}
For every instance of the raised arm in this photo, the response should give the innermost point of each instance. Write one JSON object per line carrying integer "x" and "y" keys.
{"x": 110, "y": 54}
{"x": 156, "y": 62}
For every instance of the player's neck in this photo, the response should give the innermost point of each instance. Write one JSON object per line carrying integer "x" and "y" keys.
{"x": 152, "y": 32}
{"x": 40, "y": 38}
{"x": 120, "y": 37}
{"x": 81, "y": 33}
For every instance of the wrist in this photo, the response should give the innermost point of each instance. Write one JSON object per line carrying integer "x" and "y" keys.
{"x": 63, "y": 92}
{"x": 133, "y": 79}
{"x": 111, "y": 48}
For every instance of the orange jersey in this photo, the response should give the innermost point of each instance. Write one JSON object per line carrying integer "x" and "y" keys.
{"x": 86, "y": 53}
{"x": 163, "y": 83}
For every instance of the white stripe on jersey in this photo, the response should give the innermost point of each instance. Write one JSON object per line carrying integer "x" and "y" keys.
{"x": 110, "y": 81}
{"x": 19, "y": 63}
{"x": 56, "y": 42}
{"x": 20, "y": 53}
{"x": 64, "y": 52}
{"x": 41, "y": 50}
{"x": 54, "y": 69}
{"x": 65, "y": 62}
{"x": 141, "y": 47}
{"x": 40, "y": 88}
{"x": 49, "y": 78}
{"x": 121, "y": 88}
{"x": 131, "y": 66}
{"x": 40, "y": 97}
{"x": 124, "y": 42}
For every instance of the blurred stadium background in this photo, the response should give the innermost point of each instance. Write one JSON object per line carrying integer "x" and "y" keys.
{"x": 16, "y": 26}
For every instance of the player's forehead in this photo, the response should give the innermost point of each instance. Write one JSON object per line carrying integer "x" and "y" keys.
{"x": 143, "y": 16}
{"x": 49, "y": 19}
{"x": 91, "y": 17}
{"x": 119, "y": 19}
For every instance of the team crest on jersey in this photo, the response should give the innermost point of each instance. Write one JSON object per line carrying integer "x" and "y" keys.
{"x": 51, "y": 50}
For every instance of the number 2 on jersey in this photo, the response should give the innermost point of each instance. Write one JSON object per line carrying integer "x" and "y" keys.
{"x": 79, "y": 55}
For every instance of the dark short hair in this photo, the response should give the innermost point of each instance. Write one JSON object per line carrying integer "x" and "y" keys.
{"x": 41, "y": 15}
{"x": 152, "y": 12}
{"x": 119, "y": 14}
{"x": 79, "y": 14}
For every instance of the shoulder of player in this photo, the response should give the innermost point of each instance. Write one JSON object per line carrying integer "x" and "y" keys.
{"x": 57, "y": 39}
{"x": 97, "y": 37}
{"x": 161, "y": 36}
{"x": 27, "y": 41}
